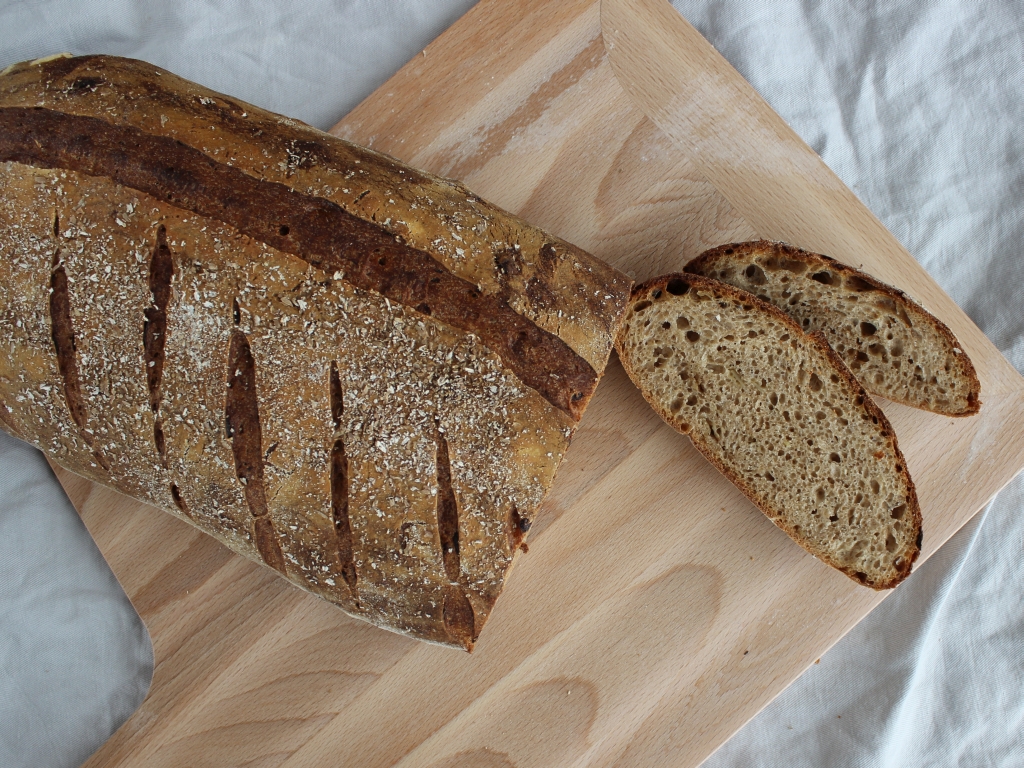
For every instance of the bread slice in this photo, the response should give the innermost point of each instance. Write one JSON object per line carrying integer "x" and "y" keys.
{"x": 894, "y": 347}
{"x": 779, "y": 414}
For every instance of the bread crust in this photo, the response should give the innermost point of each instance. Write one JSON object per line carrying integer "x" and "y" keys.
{"x": 657, "y": 286}
{"x": 711, "y": 262}
{"x": 315, "y": 392}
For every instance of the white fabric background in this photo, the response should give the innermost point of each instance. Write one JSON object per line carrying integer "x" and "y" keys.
{"x": 916, "y": 105}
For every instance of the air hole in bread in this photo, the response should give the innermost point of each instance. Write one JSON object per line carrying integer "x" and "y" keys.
{"x": 677, "y": 286}
{"x": 692, "y": 336}
{"x": 640, "y": 306}
{"x": 283, "y": 230}
{"x": 682, "y": 323}
{"x": 824, "y": 277}
{"x": 867, "y": 329}
{"x": 890, "y": 543}
{"x": 898, "y": 512}
{"x": 834, "y": 457}
{"x": 815, "y": 383}
{"x": 858, "y": 284}
{"x": 755, "y": 274}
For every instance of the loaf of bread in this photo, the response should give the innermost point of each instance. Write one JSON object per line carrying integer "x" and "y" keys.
{"x": 354, "y": 372}
{"x": 894, "y": 347}
{"x": 777, "y": 412}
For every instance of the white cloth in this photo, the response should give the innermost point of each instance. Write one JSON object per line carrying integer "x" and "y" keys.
{"x": 916, "y": 105}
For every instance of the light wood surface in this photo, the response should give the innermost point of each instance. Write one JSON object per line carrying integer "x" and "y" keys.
{"x": 657, "y": 610}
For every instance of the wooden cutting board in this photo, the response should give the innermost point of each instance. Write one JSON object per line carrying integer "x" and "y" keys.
{"x": 657, "y": 610}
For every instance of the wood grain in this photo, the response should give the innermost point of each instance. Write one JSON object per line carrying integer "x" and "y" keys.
{"x": 657, "y": 610}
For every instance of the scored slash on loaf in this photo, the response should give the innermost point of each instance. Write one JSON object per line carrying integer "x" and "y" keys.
{"x": 354, "y": 372}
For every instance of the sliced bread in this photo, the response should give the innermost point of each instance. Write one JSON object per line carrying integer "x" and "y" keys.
{"x": 893, "y": 346}
{"x": 777, "y": 412}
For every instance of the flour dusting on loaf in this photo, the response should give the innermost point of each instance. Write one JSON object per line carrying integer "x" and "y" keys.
{"x": 351, "y": 371}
